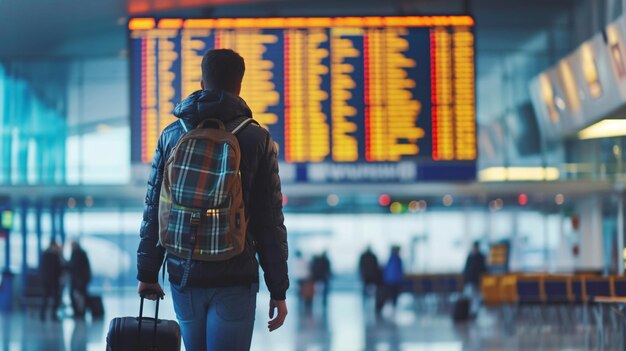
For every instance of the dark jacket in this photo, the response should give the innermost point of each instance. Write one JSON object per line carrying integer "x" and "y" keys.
{"x": 80, "y": 270}
{"x": 320, "y": 269}
{"x": 474, "y": 268}
{"x": 266, "y": 235}
{"x": 50, "y": 268}
{"x": 369, "y": 268}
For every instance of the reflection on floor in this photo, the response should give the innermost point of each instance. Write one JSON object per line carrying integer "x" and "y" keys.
{"x": 346, "y": 326}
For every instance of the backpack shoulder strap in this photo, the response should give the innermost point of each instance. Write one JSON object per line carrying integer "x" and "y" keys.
{"x": 244, "y": 124}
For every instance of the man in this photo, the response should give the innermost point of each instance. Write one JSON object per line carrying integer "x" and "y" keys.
{"x": 474, "y": 268}
{"x": 393, "y": 275}
{"x": 301, "y": 272}
{"x": 80, "y": 275}
{"x": 51, "y": 268}
{"x": 369, "y": 270}
{"x": 216, "y": 304}
{"x": 320, "y": 268}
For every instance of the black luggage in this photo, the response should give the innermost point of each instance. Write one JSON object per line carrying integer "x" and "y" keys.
{"x": 461, "y": 310}
{"x": 143, "y": 333}
{"x": 95, "y": 306}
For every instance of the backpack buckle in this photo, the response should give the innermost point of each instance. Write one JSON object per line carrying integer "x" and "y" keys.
{"x": 195, "y": 218}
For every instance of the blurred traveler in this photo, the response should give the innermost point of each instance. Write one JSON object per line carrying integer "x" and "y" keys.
{"x": 301, "y": 272}
{"x": 80, "y": 276}
{"x": 51, "y": 268}
{"x": 215, "y": 301}
{"x": 320, "y": 269}
{"x": 475, "y": 267}
{"x": 369, "y": 270}
{"x": 393, "y": 275}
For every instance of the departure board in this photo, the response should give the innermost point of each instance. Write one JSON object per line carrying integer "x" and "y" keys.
{"x": 371, "y": 99}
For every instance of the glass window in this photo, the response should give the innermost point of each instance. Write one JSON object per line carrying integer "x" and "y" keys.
{"x": 61, "y": 117}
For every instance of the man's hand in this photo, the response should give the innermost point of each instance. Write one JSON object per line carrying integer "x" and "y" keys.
{"x": 277, "y": 322}
{"x": 150, "y": 286}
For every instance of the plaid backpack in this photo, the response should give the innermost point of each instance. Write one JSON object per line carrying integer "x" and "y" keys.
{"x": 201, "y": 209}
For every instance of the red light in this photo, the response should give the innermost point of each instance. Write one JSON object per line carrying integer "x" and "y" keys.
{"x": 522, "y": 199}
{"x": 285, "y": 200}
{"x": 384, "y": 200}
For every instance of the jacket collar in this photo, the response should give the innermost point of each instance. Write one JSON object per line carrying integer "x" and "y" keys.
{"x": 206, "y": 104}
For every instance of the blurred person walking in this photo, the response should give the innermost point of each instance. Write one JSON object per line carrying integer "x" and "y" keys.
{"x": 198, "y": 216}
{"x": 475, "y": 267}
{"x": 51, "y": 269}
{"x": 301, "y": 272}
{"x": 322, "y": 273}
{"x": 80, "y": 276}
{"x": 369, "y": 271}
{"x": 393, "y": 275}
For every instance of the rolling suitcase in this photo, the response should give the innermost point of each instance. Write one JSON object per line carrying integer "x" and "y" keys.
{"x": 95, "y": 306}
{"x": 132, "y": 333}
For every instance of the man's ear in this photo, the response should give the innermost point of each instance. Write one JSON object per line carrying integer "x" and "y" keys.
{"x": 202, "y": 84}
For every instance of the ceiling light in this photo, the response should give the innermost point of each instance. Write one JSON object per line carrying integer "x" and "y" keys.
{"x": 332, "y": 200}
{"x": 501, "y": 174}
{"x": 604, "y": 129}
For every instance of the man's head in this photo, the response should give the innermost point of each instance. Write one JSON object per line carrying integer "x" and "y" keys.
{"x": 476, "y": 246}
{"x": 55, "y": 247}
{"x": 222, "y": 69}
{"x": 75, "y": 244}
{"x": 395, "y": 249}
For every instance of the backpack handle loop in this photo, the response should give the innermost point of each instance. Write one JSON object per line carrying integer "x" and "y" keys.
{"x": 217, "y": 122}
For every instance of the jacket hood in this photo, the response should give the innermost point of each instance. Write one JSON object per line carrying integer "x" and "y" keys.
{"x": 206, "y": 104}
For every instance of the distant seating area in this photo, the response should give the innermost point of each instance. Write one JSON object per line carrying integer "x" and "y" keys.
{"x": 434, "y": 284}
{"x": 566, "y": 299}
{"x": 547, "y": 297}
{"x": 526, "y": 289}
{"x": 549, "y": 289}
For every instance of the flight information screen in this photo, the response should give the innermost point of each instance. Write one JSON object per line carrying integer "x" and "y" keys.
{"x": 345, "y": 98}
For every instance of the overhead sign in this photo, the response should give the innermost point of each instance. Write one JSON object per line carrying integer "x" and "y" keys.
{"x": 346, "y": 99}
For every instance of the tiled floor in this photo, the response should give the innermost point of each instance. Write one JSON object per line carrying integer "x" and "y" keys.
{"x": 345, "y": 327}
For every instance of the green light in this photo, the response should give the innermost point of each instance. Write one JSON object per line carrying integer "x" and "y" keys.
{"x": 7, "y": 219}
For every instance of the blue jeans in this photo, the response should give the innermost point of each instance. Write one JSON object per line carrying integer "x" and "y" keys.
{"x": 216, "y": 319}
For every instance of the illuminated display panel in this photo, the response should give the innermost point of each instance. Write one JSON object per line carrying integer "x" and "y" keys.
{"x": 346, "y": 98}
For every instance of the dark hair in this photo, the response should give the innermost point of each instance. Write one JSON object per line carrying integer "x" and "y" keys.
{"x": 223, "y": 69}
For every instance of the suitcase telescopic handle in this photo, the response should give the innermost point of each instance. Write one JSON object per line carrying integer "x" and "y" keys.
{"x": 143, "y": 295}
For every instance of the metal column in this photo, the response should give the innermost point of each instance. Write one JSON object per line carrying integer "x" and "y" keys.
{"x": 24, "y": 217}
{"x": 38, "y": 228}
{"x": 53, "y": 224}
{"x": 620, "y": 233}
{"x": 7, "y": 251}
{"x": 61, "y": 219}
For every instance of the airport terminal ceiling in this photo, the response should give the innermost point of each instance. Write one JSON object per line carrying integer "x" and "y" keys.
{"x": 83, "y": 32}
{"x": 84, "y": 28}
